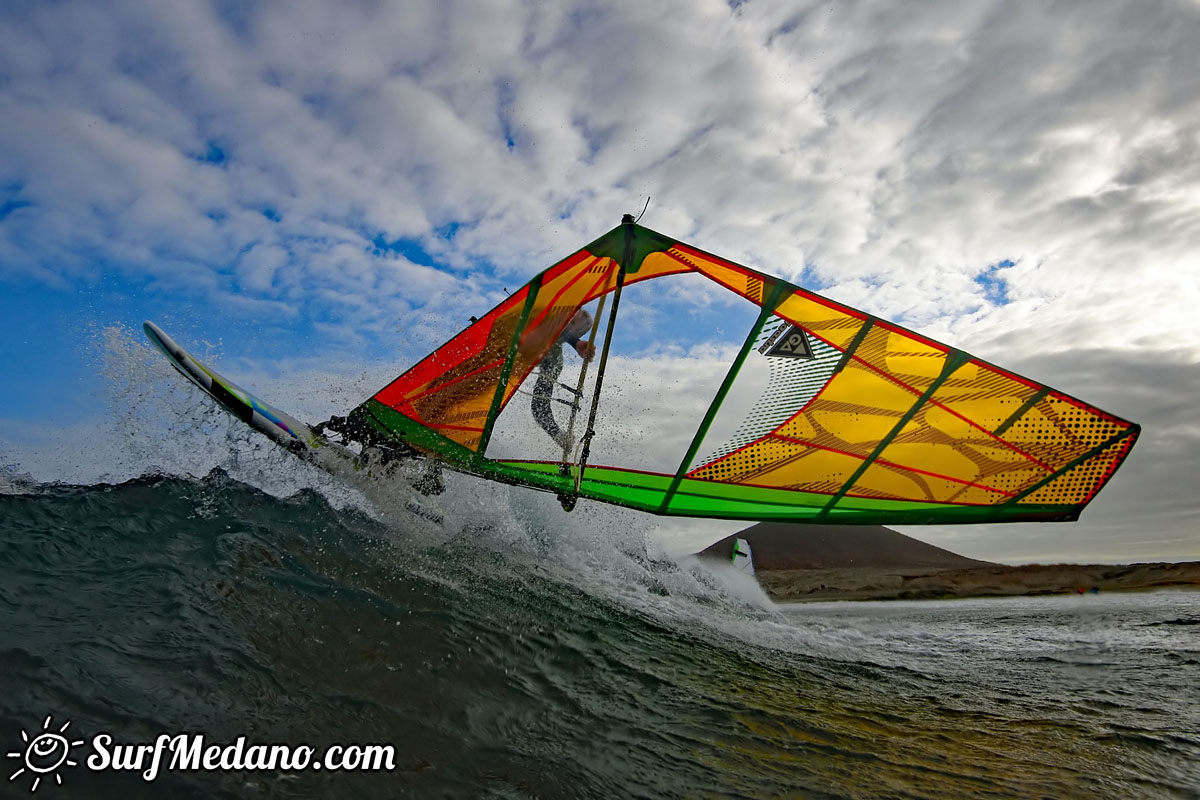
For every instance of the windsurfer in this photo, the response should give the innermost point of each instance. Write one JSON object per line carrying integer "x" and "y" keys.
{"x": 552, "y": 364}
{"x": 384, "y": 450}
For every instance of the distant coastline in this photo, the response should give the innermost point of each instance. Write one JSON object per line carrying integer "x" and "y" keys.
{"x": 789, "y": 586}
{"x": 797, "y": 563}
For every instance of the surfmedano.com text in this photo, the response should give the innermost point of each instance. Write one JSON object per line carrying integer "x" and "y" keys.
{"x": 190, "y": 753}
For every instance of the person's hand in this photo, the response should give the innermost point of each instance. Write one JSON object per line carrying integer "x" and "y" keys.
{"x": 586, "y": 350}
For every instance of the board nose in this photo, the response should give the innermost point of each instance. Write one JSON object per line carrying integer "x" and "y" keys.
{"x": 159, "y": 338}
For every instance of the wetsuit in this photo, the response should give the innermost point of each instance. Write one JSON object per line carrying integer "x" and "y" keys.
{"x": 543, "y": 390}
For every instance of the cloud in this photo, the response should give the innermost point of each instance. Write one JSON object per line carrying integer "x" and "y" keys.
{"x": 893, "y": 153}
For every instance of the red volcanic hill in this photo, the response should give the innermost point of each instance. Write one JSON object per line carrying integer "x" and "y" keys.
{"x": 781, "y": 545}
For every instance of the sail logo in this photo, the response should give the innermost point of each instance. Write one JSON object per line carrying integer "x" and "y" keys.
{"x": 44, "y": 754}
{"x": 47, "y": 752}
{"x": 789, "y": 343}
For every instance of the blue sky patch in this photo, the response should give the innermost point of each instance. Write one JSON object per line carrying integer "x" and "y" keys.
{"x": 994, "y": 283}
{"x": 9, "y": 206}
{"x": 504, "y": 103}
{"x": 412, "y": 249}
{"x": 213, "y": 154}
{"x": 11, "y": 193}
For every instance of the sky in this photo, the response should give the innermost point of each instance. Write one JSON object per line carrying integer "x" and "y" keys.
{"x": 318, "y": 194}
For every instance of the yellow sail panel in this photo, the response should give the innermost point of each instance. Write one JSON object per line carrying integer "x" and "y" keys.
{"x": 934, "y": 442}
{"x": 856, "y": 410}
{"x": 812, "y": 470}
{"x": 1056, "y": 430}
{"x": 656, "y": 265}
{"x": 745, "y": 282}
{"x": 1080, "y": 484}
{"x": 778, "y": 462}
{"x": 907, "y": 359}
{"x": 899, "y": 483}
{"x": 984, "y": 395}
{"x": 751, "y": 462}
{"x": 944, "y": 443}
{"x": 822, "y": 319}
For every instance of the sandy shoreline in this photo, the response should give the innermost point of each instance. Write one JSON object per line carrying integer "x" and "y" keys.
{"x": 854, "y": 583}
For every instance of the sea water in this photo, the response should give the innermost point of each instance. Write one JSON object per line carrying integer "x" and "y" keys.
{"x": 507, "y": 654}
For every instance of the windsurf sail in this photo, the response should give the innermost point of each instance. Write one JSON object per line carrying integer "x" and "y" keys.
{"x": 741, "y": 559}
{"x": 734, "y": 394}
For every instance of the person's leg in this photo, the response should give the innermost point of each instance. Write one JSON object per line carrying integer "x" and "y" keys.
{"x": 543, "y": 391}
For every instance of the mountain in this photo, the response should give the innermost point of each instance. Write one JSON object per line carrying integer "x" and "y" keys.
{"x": 785, "y": 546}
{"x": 870, "y": 562}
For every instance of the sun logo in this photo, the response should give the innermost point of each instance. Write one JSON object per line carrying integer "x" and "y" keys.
{"x": 44, "y": 754}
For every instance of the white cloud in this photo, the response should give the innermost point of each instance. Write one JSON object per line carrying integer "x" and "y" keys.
{"x": 910, "y": 146}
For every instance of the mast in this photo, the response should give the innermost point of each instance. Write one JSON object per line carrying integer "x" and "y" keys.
{"x": 568, "y": 500}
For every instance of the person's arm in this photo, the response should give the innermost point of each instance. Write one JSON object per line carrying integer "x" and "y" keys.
{"x": 586, "y": 350}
